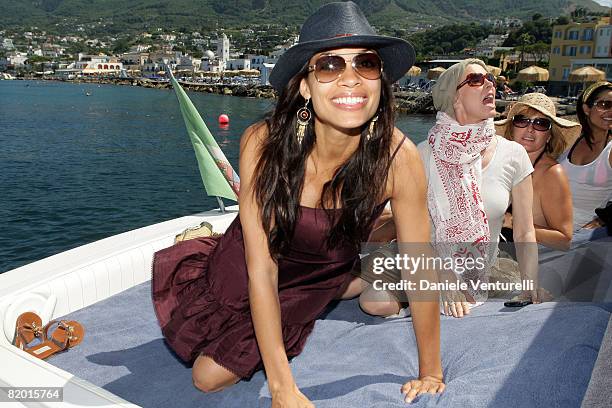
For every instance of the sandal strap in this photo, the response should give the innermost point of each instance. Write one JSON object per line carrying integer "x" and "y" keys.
{"x": 63, "y": 345}
{"x": 34, "y": 328}
{"x": 61, "y": 324}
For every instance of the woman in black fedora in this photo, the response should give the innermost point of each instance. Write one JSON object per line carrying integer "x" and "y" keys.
{"x": 315, "y": 176}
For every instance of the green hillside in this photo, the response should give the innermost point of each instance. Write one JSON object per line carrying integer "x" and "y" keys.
{"x": 121, "y": 15}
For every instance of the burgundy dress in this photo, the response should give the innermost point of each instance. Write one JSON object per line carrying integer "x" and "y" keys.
{"x": 200, "y": 292}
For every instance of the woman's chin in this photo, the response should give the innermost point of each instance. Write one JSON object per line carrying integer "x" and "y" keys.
{"x": 491, "y": 111}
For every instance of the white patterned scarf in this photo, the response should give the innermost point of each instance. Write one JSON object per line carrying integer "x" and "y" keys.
{"x": 455, "y": 178}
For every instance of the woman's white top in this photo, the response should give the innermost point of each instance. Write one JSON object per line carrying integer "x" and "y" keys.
{"x": 509, "y": 166}
{"x": 591, "y": 185}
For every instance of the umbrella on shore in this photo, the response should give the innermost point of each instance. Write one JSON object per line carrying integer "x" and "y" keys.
{"x": 494, "y": 70}
{"x": 532, "y": 74}
{"x": 587, "y": 74}
{"x": 583, "y": 75}
{"x": 414, "y": 71}
{"x": 434, "y": 73}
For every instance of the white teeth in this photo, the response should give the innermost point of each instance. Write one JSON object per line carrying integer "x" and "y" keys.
{"x": 530, "y": 139}
{"x": 352, "y": 100}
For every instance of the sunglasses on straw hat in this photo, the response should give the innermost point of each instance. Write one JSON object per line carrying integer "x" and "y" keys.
{"x": 477, "y": 79}
{"x": 540, "y": 124}
{"x": 329, "y": 67}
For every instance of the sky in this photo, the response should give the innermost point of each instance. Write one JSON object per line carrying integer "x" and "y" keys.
{"x": 604, "y": 2}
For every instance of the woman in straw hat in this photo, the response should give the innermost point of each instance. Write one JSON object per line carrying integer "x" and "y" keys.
{"x": 588, "y": 163}
{"x": 315, "y": 176}
{"x": 532, "y": 122}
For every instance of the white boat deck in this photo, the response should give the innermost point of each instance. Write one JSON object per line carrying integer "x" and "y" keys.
{"x": 73, "y": 280}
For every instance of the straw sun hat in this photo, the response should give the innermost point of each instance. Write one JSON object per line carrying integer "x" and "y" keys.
{"x": 563, "y": 131}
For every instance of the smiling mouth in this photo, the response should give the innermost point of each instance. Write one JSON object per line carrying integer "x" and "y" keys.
{"x": 529, "y": 139}
{"x": 349, "y": 100}
{"x": 489, "y": 99}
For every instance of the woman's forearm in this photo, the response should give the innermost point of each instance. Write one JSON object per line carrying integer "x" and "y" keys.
{"x": 266, "y": 315}
{"x": 553, "y": 238}
{"x": 426, "y": 324}
{"x": 527, "y": 254}
{"x": 425, "y": 311}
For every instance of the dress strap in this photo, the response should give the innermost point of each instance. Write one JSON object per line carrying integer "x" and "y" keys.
{"x": 569, "y": 154}
{"x": 539, "y": 157}
{"x": 397, "y": 149}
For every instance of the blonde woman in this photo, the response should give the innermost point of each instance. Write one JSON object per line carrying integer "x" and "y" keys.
{"x": 532, "y": 122}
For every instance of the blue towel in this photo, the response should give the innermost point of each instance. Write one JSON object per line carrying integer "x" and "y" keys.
{"x": 541, "y": 355}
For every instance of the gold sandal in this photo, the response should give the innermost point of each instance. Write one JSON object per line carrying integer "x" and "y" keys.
{"x": 205, "y": 229}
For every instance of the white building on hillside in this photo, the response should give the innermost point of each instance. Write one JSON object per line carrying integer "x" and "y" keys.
{"x": 97, "y": 65}
{"x": 265, "y": 73}
{"x": 257, "y": 61}
{"x": 280, "y": 50}
{"x": 189, "y": 63}
{"x": 223, "y": 50}
{"x": 17, "y": 59}
{"x": 7, "y": 44}
{"x": 238, "y": 64}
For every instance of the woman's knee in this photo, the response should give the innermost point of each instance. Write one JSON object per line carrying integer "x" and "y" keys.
{"x": 208, "y": 376}
{"x": 379, "y": 305}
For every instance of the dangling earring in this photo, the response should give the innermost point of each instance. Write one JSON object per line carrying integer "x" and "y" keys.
{"x": 371, "y": 128}
{"x": 303, "y": 120}
{"x": 548, "y": 146}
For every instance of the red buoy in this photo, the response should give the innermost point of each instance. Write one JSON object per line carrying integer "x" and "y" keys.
{"x": 223, "y": 119}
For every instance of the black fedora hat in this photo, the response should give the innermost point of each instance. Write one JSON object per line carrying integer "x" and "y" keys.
{"x": 340, "y": 25}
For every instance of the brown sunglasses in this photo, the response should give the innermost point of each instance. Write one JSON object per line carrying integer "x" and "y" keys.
{"x": 329, "y": 67}
{"x": 477, "y": 79}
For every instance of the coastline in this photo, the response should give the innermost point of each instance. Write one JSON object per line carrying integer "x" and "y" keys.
{"x": 406, "y": 102}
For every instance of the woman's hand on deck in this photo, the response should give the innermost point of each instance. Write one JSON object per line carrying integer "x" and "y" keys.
{"x": 424, "y": 385}
{"x": 290, "y": 397}
{"x": 456, "y": 303}
{"x": 536, "y": 296}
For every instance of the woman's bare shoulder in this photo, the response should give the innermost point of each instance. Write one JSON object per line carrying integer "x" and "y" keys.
{"x": 553, "y": 176}
{"x": 407, "y": 161}
{"x": 554, "y": 172}
{"x": 407, "y": 149}
{"x": 256, "y": 133}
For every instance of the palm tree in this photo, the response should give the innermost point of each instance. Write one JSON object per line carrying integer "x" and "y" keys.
{"x": 524, "y": 41}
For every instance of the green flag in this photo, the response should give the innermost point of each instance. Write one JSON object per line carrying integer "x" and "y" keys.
{"x": 218, "y": 176}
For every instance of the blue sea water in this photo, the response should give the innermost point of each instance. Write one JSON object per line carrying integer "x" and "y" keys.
{"x": 75, "y": 168}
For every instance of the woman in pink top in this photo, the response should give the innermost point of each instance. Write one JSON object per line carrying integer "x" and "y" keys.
{"x": 588, "y": 163}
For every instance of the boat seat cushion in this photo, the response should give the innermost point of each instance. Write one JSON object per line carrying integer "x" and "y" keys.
{"x": 540, "y": 355}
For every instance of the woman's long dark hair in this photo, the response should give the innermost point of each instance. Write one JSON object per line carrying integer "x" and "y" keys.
{"x": 587, "y": 132}
{"x": 358, "y": 184}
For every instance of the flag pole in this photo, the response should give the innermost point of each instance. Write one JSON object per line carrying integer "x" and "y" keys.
{"x": 221, "y": 204}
